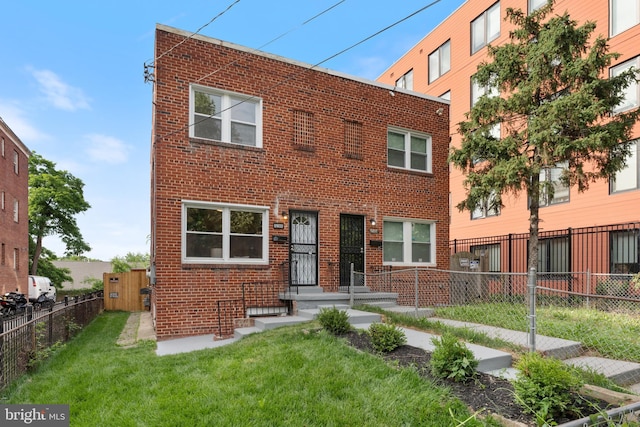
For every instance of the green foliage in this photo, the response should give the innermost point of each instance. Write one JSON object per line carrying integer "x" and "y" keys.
{"x": 55, "y": 197}
{"x": 130, "y": 261}
{"x": 94, "y": 283}
{"x": 334, "y": 320}
{"x": 452, "y": 359}
{"x": 386, "y": 337}
{"x": 46, "y": 267}
{"x": 544, "y": 386}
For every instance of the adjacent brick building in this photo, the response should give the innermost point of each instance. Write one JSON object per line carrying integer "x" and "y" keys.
{"x": 268, "y": 169}
{"x": 14, "y": 213}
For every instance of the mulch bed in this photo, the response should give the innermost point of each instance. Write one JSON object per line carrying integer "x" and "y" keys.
{"x": 485, "y": 393}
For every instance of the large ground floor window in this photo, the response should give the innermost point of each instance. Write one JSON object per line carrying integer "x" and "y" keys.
{"x": 407, "y": 242}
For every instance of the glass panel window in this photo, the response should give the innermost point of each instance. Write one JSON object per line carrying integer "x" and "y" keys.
{"x": 446, "y": 95}
{"x": 624, "y": 15}
{"x": 224, "y": 234}
{"x": 408, "y": 242}
{"x": 632, "y": 92}
{"x": 478, "y": 91}
{"x": 406, "y": 81}
{"x": 485, "y": 28}
{"x": 627, "y": 178}
{"x": 220, "y": 116}
{"x": 440, "y": 61}
{"x": 486, "y": 209}
{"x": 16, "y": 206}
{"x": 536, "y": 4}
{"x": 409, "y": 150}
{"x": 16, "y": 162}
{"x": 553, "y": 255}
{"x": 625, "y": 258}
{"x": 560, "y": 189}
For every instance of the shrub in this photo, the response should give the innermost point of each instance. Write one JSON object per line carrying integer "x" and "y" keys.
{"x": 452, "y": 359}
{"x": 386, "y": 337}
{"x": 334, "y": 320}
{"x": 544, "y": 387}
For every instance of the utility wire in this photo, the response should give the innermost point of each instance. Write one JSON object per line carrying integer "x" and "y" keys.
{"x": 199, "y": 29}
{"x": 292, "y": 76}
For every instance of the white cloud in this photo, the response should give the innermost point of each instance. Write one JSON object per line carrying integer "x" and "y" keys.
{"x": 58, "y": 93}
{"x": 103, "y": 148}
{"x": 14, "y": 117}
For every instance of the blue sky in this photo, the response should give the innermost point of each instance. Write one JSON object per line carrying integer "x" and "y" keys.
{"x": 72, "y": 85}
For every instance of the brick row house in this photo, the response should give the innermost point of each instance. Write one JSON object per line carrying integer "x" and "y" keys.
{"x": 268, "y": 169}
{"x": 14, "y": 219}
{"x": 598, "y": 230}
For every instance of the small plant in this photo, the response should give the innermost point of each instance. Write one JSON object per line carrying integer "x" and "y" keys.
{"x": 386, "y": 337}
{"x": 452, "y": 359}
{"x": 544, "y": 386}
{"x": 334, "y": 320}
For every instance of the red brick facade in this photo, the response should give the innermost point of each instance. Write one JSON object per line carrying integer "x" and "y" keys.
{"x": 14, "y": 189}
{"x": 323, "y": 150}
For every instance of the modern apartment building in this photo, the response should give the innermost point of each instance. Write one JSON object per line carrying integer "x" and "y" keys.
{"x": 606, "y": 217}
{"x": 14, "y": 214}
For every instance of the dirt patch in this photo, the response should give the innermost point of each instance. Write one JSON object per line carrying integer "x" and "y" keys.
{"x": 485, "y": 393}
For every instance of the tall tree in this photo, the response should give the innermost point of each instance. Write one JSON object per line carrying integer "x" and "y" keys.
{"x": 55, "y": 197}
{"x": 554, "y": 109}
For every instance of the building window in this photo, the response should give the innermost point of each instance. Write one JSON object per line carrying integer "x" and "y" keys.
{"x": 627, "y": 178}
{"x": 485, "y": 28}
{"x": 478, "y": 91}
{"x": 446, "y": 95}
{"x": 2, "y": 146}
{"x": 625, "y": 258}
{"x": 491, "y": 253}
{"x": 303, "y": 131}
{"x": 225, "y": 117}
{"x": 486, "y": 209}
{"x": 536, "y": 4}
{"x": 624, "y": 15}
{"x": 632, "y": 92}
{"x": 440, "y": 61}
{"x": 353, "y": 143}
{"x": 16, "y": 162}
{"x": 553, "y": 255}
{"x": 16, "y": 259}
{"x": 408, "y": 150}
{"x": 408, "y": 242}
{"x": 15, "y": 211}
{"x": 2, "y": 254}
{"x": 560, "y": 189}
{"x": 2, "y": 195}
{"x": 406, "y": 81}
{"x": 218, "y": 233}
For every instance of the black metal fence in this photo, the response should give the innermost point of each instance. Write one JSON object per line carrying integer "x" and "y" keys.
{"x": 26, "y": 338}
{"x": 612, "y": 249}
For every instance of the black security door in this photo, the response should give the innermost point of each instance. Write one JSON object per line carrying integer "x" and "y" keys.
{"x": 351, "y": 246}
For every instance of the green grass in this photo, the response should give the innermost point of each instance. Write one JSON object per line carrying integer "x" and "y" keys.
{"x": 294, "y": 376}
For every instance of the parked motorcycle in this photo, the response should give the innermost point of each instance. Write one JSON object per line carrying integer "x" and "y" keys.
{"x": 43, "y": 301}
{"x": 13, "y": 303}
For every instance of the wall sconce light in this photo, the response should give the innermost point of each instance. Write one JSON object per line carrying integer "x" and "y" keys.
{"x": 372, "y": 222}
{"x": 284, "y": 215}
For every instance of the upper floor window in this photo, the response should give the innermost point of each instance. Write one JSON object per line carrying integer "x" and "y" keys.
{"x": 486, "y": 208}
{"x": 218, "y": 233}
{"x": 440, "y": 61}
{"x": 632, "y": 92}
{"x": 16, "y": 206}
{"x": 303, "y": 130}
{"x": 446, "y": 95}
{"x": 353, "y": 140}
{"x": 406, "y": 81}
{"x": 627, "y": 178}
{"x": 624, "y": 15}
{"x": 485, "y": 28}
{"x": 16, "y": 162}
{"x": 225, "y": 117}
{"x": 2, "y": 200}
{"x": 478, "y": 91}
{"x": 408, "y": 150}
{"x": 408, "y": 242}
{"x": 560, "y": 189}
{"x": 2, "y": 146}
{"x": 535, "y": 4}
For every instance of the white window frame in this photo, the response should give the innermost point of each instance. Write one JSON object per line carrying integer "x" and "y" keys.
{"x": 632, "y": 92}
{"x": 482, "y": 24}
{"x": 628, "y": 179}
{"x": 228, "y": 101}
{"x": 407, "y": 135}
{"x": 484, "y": 210}
{"x": 439, "y": 61}
{"x": 407, "y": 242}
{"x": 626, "y": 11}
{"x": 534, "y": 5}
{"x": 547, "y": 175}
{"x": 225, "y": 257}
{"x": 406, "y": 81}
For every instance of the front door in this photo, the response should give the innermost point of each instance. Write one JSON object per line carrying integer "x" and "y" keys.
{"x": 303, "y": 251}
{"x": 351, "y": 246}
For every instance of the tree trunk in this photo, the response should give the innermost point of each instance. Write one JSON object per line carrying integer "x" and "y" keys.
{"x": 36, "y": 254}
{"x": 534, "y": 220}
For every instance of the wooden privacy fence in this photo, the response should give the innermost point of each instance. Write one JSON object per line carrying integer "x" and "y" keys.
{"x": 126, "y": 291}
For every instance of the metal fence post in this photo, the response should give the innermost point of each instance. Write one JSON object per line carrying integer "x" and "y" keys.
{"x": 588, "y": 288}
{"x": 352, "y": 285}
{"x": 531, "y": 285}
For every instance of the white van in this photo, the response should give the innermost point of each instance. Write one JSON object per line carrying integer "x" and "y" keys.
{"x": 39, "y": 285}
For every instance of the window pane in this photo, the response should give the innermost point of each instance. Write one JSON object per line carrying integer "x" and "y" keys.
{"x": 395, "y": 140}
{"x": 421, "y": 232}
{"x": 493, "y": 23}
{"x": 396, "y": 158}
{"x": 243, "y": 134}
{"x": 207, "y": 128}
{"x": 205, "y": 220}
{"x": 246, "y": 222}
{"x": 392, "y": 252}
{"x": 536, "y": 4}
{"x": 408, "y": 82}
{"x": 245, "y": 247}
{"x": 242, "y": 110}
{"x": 627, "y": 178}
{"x": 392, "y": 231}
{"x": 418, "y": 162}
{"x": 418, "y": 145}
{"x": 204, "y": 245}
{"x": 434, "y": 66}
{"x": 207, "y": 104}
{"x": 445, "y": 58}
{"x": 420, "y": 252}
{"x": 631, "y": 91}
{"x": 477, "y": 33}
{"x": 624, "y": 15}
